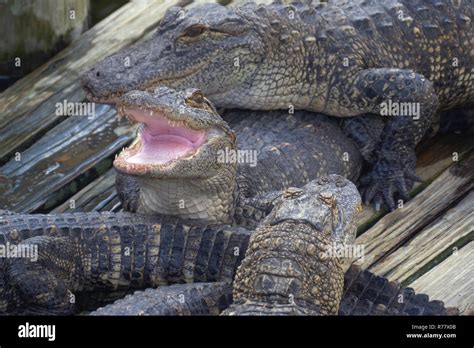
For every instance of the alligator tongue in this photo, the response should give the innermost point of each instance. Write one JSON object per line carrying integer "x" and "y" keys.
{"x": 163, "y": 140}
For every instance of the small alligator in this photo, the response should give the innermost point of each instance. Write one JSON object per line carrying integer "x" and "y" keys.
{"x": 108, "y": 251}
{"x": 401, "y": 58}
{"x": 187, "y": 161}
{"x": 289, "y": 269}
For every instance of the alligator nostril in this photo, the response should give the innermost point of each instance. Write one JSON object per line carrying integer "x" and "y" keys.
{"x": 97, "y": 74}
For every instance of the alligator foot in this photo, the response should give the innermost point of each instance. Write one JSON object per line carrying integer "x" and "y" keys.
{"x": 408, "y": 102}
{"x": 391, "y": 177}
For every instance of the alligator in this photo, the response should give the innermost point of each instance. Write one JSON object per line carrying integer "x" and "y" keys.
{"x": 289, "y": 270}
{"x": 94, "y": 251}
{"x": 406, "y": 59}
{"x": 185, "y": 162}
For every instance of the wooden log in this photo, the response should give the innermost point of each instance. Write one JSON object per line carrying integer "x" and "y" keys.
{"x": 27, "y": 109}
{"x": 401, "y": 225}
{"x": 35, "y": 30}
{"x": 452, "y": 281}
{"x": 67, "y": 151}
{"x": 62, "y": 153}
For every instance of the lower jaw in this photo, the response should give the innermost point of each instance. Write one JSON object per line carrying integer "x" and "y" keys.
{"x": 187, "y": 201}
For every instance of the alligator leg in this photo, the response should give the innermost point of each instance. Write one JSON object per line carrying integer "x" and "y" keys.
{"x": 365, "y": 131}
{"x": 43, "y": 283}
{"x": 179, "y": 299}
{"x": 393, "y": 92}
{"x": 128, "y": 191}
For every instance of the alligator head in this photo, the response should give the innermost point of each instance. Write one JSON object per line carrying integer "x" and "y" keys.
{"x": 292, "y": 266}
{"x": 210, "y": 46}
{"x": 337, "y": 201}
{"x": 175, "y": 155}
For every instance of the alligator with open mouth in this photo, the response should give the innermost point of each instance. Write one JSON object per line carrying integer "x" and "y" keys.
{"x": 403, "y": 59}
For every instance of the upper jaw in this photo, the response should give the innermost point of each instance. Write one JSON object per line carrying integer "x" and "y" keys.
{"x": 111, "y": 100}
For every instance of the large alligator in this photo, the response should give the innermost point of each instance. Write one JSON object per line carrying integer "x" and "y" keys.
{"x": 289, "y": 267}
{"x": 400, "y": 58}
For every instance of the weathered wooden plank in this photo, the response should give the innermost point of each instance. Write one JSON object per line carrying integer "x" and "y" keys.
{"x": 397, "y": 227}
{"x": 65, "y": 152}
{"x": 27, "y": 109}
{"x": 99, "y": 195}
{"x": 452, "y": 281}
{"x": 435, "y": 241}
{"x": 434, "y": 157}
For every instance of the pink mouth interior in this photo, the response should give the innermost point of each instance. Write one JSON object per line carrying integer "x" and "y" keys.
{"x": 162, "y": 141}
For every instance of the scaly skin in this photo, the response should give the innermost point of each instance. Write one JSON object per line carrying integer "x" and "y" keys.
{"x": 286, "y": 271}
{"x": 289, "y": 150}
{"x": 179, "y": 299}
{"x": 106, "y": 252}
{"x": 344, "y": 58}
{"x": 67, "y": 258}
{"x": 291, "y": 267}
{"x": 382, "y": 297}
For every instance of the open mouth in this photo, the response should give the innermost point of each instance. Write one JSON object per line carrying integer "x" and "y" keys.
{"x": 160, "y": 141}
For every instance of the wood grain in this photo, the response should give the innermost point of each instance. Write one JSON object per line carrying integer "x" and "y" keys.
{"x": 451, "y": 281}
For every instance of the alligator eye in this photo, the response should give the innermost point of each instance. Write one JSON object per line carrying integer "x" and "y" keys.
{"x": 292, "y": 192}
{"x": 194, "y": 31}
{"x": 197, "y": 97}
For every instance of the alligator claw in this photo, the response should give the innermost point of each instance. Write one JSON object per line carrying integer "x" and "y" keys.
{"x": 387, "y": 181}
{"x": 413, "y": 177}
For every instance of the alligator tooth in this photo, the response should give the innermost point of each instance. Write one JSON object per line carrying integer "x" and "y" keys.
{"x": 151, "y": 113}
{"x": 120, "y": 112}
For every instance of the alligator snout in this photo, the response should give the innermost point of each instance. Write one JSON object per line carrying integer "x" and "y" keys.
{"x": 95, "y": 83}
